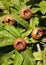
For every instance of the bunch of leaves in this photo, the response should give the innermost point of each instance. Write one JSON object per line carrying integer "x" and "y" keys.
{"x": 31, "y": 55}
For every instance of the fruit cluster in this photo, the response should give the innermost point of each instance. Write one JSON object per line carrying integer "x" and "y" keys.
{"x": 37, "y": 32}
{"x": 22, "y": 32}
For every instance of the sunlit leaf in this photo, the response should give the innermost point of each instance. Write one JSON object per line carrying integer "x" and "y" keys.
{"x": 43, "y": 7}
{"x": 34, "y": 10}
{"x": 34, "y": 22}
{"x": 38, "y": 55}
{"x": 25, "y": 34}
{"x": 44, "y": 55}
{"x": 28, "y": 58}
{"x": 18, "y": 58}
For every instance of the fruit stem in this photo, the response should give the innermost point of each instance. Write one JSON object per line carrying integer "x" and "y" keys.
{"x": 38, "y": 47}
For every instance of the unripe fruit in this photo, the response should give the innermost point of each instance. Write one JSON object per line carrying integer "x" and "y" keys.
{"x": 37, "y": 33}
{"x": 25, "y": 13}
{"x": 8, "y": 19}
{"x": 19, "y": 44}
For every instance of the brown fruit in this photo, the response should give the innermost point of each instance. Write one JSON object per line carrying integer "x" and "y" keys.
{"x": 8, "y": 19}
{"x": 19, "y": 44}
{"x": 37, "y": 33}
{"x": 25, "y": 13}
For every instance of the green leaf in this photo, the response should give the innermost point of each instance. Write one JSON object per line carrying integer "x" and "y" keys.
{"x": 33, "y": 40}
{"x": 34, "y": 22}
{"x": 44, "y": 40}
{"x": 1, "y": 5}
{"x": 28, "y": 58}
{"x": 27, "y": 40}
{"x": 25, "y": 34}
{"x": 44, "y": 55}
{"x": 34, "y": 10}
{"x": 42, "y": 5}
{"x": 16, "y": 4}
{"x": 5, "y": 59}
{"x": 20, "y": 20}
{"x": 20, "y": 30}
{"x": 6, "y": 4}
{"x": 1, "y": 18}
{"x": 38, "y": 55}
{"x": 5, "y": 37}
{"x": 5, "y": 41}
{"x": 12, "y": 30}
{"x": 7, "y": 62}
{"x": 18, "y": 58}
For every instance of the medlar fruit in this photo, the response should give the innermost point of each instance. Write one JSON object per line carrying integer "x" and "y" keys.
{"x": 37, "y": 33}
{"x": 19, "y": 44}
{"x": 8, "y": 19}
{"x": 25, "y": 13}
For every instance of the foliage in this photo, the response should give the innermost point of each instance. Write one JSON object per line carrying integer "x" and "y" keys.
{"x": 22, "y": 29}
